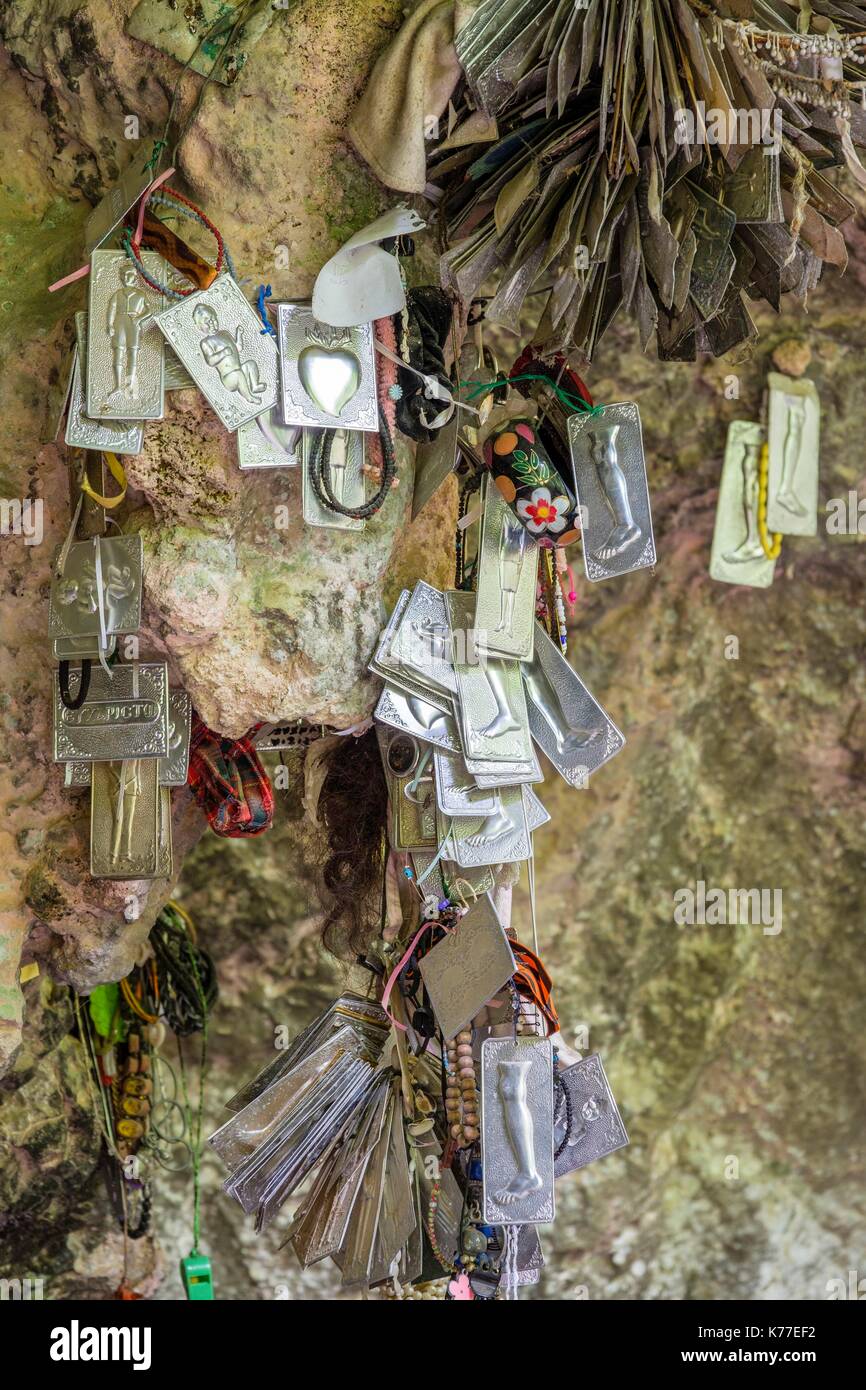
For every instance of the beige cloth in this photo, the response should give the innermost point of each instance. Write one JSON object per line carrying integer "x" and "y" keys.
{"x": 411, "y": 82}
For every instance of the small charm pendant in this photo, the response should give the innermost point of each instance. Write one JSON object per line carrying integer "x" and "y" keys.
{"x": 107, "y": 568}
{"x": 468, "y": 967}
{"x": 266, "y": 442}
{"x": 610, "y": 476}
{"x": 567, "y": 722}
{"x": 124, "y": 373}
{"x": 217, "y": 337}
{"x": 596, "y": 1125}
{"x": 737, "y": 556}
{"x": 533, "y": 488}
{"x": 111, "y": 436}
{"x": 793, "y": 428}
{"x": 125, "y": 715}
{"x": 507, "y": 579}
{"x": 328, "y": 374}
{"x": 125, "y": 819}
{"x": 346, "y": 475}
{"x": 492, "y": 705}
{"x": 517, "y": 1130}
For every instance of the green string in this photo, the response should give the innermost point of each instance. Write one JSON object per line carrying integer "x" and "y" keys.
{"x": 152, "y": 163}
{"x": 566, "y": 397}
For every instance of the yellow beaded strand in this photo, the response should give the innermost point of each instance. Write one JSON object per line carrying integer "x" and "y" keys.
{"x": 771, "y": 545}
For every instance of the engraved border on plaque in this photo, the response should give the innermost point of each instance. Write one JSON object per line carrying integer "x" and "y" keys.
{"x": 111, "y": 436}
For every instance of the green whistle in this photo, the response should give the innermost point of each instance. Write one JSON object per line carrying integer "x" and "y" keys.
{"x": 195, "y": 1271}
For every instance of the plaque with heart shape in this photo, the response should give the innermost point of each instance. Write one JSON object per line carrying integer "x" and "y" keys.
{"x": 328, "y": 375}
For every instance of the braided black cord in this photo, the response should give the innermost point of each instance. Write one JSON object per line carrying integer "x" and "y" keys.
{"x": 320, "y": 475}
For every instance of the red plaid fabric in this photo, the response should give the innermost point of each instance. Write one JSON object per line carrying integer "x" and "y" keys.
{"x": 229, "y": 782}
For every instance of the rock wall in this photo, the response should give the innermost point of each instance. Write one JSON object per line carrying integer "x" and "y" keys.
{"x": 737, "y": 1055}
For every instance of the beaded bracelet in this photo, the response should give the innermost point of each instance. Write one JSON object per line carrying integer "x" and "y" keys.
{"x": 169, "y": 197}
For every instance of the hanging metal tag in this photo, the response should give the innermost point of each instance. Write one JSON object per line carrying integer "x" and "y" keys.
{"x": 492, "y": 708}
{"x": 610, "y": 477}
{"x": 793, "y": 429}
{"x": 266, "y": 442}
{"x": 507, "y": 580}
{"x": 110, "y": 565}
{"x": 328, "y": 374}
{"x": 422, "y": 640}
{"x": 457, "y": 793}
{"x": 346, "y": 465}
{"x": 125, "y": 715}
{"x": 596, "y": 1125}
{"x": 567, "y": 722}
{"x": 124, "y": 819}
{"x": 434, "y": 462}
{"x": 468, "y": 967}
{"x": 737, "y": 556}
{"x": 174, "y": 767}
{"x": 517, "y": 1130}
{"x": 112, "y": 436}
{"x": 385, "y": 665}
{"x": 124, "y": 373}
{"x": 113, "y": 207}
{"x": 218, "y": 338}
{"x": 500, "y": 838}
{"x": 418, "y": 717}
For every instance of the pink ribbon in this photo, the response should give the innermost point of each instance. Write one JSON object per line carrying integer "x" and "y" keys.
{"x": 395, "y": 973}
{"x": 83, "y": 270}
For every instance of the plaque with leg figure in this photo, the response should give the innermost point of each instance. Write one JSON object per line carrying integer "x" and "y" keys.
{"x": 793, "y": 429}
{"x": 517, "y": 1130}
{"x": 610, "y": 477}
{"x": 737, "y": 556}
